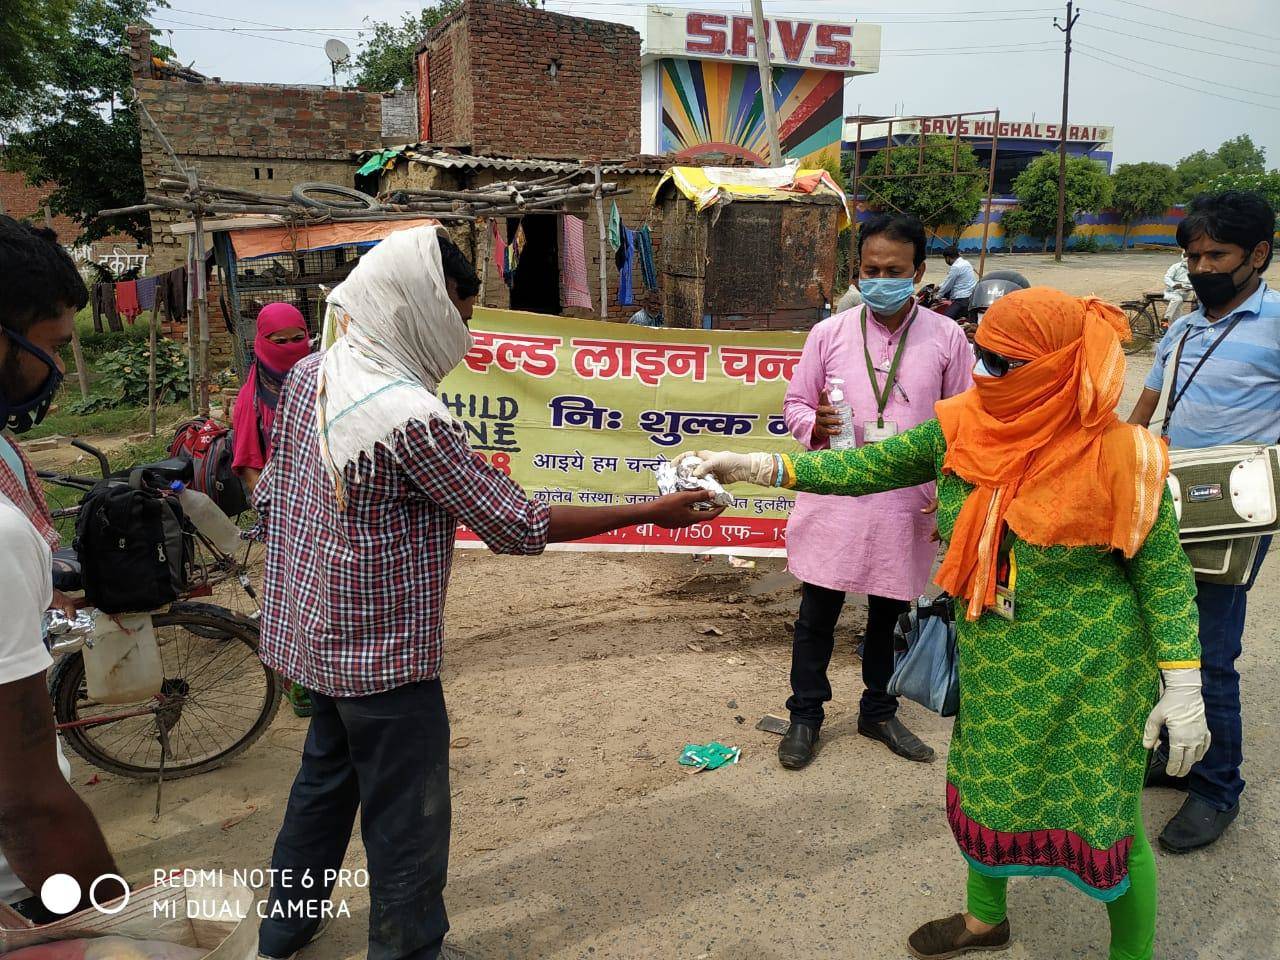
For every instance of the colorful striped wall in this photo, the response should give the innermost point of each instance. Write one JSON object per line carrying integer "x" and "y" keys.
{"x": 710, "y": 106}
{"x": 1107, "y": 229}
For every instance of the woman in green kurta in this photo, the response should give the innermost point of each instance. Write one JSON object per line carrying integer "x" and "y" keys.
{"x": 1065, "y": 509}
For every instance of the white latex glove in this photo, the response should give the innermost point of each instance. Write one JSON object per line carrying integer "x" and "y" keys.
{"x": 758, "y": 468}
{"x": 1181, "y": 710}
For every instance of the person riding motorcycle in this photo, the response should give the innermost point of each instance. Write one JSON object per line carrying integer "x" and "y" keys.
{"x": 990, "y": 288}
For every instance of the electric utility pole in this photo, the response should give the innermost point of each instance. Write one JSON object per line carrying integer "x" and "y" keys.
{"x": 766, "y": 83}
{"x": 1072, "y": 17}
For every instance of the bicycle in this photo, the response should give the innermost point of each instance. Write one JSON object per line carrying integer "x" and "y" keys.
{"x": 217, "y": 697}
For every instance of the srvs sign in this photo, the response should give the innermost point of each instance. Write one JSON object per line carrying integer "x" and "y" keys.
{"x": 849, "y": 47}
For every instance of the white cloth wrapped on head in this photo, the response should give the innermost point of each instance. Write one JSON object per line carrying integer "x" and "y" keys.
{"x": 676, "y": 475}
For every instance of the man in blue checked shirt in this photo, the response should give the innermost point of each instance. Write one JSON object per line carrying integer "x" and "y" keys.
{"x": 1226, "y": 390}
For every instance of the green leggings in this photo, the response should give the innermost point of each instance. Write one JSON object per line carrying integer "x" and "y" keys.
{"x": 1133, "y": 916}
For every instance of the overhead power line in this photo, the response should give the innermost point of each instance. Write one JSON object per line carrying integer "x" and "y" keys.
{"x": 1167, "y": 29}
{"x": 324, "y": 31}
{"x": 1211, "y": 23}
{"x": 1174, "y": 73}
{"x": 1182, "y": 47}
{"x": 1173, "y": 83}
{"x": 236, "y": 32}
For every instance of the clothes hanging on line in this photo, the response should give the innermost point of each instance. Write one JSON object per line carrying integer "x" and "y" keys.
{"x": 623, "y": 261}
{"x": 514, "y": 250}
{"x": 644, "y": 246}
{"x": 147, "y": 287}
{"x": 175, "y": 294}
{"x": 500, "y": 254}
{"x": 573, "y": 263}
{"x": 104, "y": 306}
{"x": 614, "y": 227}
{"x": 127, "y": 300}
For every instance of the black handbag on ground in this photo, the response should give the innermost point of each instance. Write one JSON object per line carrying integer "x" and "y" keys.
{"x": 134, "y": 545}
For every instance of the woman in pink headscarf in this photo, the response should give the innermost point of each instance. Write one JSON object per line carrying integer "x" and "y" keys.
{"x": 281, "y": 342}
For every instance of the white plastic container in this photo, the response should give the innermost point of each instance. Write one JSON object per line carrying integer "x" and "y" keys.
{"x": 123, "y": 665}
{"x": 845, "y": 439}
{"x": 208, "y": 518}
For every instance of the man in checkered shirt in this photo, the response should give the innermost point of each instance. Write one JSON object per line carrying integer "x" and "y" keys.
{"x": 368, "y": 480}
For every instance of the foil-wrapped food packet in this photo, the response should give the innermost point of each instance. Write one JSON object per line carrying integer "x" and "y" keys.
{"x": 676, "y": 475}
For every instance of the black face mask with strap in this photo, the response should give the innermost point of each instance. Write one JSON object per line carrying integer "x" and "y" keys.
{"x": 1216, "y": 290}
{"x": 22, "y": 416}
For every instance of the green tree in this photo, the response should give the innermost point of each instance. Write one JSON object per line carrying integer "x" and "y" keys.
{"x": 1143, "y": 190}
{"x": 1238, "y": 155}
{"x": 937, "y": 199}
{"x": 1242, "y": 155}
{"x": 1267, "y": 184}
{"x": 385, "y": 62}
{"x": 28, "y": 28}
{"x": 74, "y": 128}
{"x": 1088, "y": 189}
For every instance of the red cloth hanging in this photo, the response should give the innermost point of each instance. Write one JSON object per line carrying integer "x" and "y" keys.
{"x": 127, "y": 300}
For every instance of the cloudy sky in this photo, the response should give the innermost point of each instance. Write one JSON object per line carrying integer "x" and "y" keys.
{"x": 1172, "y": 76}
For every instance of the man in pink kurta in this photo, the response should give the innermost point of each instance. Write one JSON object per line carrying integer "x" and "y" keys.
{"x": 877, "y": 545}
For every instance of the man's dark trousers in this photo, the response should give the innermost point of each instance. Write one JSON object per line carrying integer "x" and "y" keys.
{"x": 811, "y": 655}
{"x": 1216, "y": 778}
{"x": 388, "y": 755}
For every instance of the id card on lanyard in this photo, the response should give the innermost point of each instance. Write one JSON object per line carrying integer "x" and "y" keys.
{"x": 1006, "y": 578}
{"x": 873, "y": 431}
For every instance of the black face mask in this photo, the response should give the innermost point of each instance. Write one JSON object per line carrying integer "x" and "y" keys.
{"x": 1215, "y": 290}
{"x": 21, "y": 417}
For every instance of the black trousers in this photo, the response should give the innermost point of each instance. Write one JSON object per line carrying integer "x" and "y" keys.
{"x": 815, "y": 639}
{"x": 958, "y": 309}
{"x": 387, "y": 755}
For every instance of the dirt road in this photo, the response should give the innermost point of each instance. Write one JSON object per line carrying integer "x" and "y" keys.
{"x": 574, "y": 680}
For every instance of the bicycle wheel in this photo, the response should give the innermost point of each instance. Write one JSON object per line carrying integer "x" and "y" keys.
{"x": 1142, "y": 326}
{"x": 218, "y": 698}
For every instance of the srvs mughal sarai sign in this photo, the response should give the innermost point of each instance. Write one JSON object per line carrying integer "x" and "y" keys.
{"x": 977, "y": 128}
{"x": 846, "y": 46}
{"x": 583, "y": 412}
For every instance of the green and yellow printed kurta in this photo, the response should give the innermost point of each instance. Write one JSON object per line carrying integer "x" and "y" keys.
{"x": 1046, "y": 763}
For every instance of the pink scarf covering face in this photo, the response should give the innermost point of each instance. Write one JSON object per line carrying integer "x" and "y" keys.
{"x": 255, "y": 410}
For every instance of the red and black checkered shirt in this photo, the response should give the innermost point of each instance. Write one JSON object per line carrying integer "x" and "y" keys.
{"x": 353, "y": 600}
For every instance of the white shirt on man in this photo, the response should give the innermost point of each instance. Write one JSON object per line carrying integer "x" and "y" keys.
{"x": 960, "y": 280}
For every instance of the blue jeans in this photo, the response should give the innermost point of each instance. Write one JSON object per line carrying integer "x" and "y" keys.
{"x": 387, "y": 755}
{"x": 1216, "y": 779}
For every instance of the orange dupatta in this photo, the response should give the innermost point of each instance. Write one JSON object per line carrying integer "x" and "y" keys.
{"x": 1043, "y": 445}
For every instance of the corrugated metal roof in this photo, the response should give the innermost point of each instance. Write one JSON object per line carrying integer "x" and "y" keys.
{"x": 460, "y": 161}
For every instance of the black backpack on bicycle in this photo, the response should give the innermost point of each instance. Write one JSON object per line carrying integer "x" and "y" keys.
{"x": 135, "y": 546}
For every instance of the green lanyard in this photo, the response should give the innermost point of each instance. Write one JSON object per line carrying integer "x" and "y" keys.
{"x": 882, "y": 396}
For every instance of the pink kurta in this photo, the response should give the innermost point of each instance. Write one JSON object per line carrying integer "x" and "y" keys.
{"x": 877, "y": 544}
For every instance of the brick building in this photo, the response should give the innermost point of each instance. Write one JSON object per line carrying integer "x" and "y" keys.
{"x": 20, "y": 200}
{"x": 258, "y": 136}
{"x": 507, "y": 80}
{"x": 439, "y": 170}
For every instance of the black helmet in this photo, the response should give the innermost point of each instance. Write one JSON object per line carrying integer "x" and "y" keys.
{"x": 992, "y": 287}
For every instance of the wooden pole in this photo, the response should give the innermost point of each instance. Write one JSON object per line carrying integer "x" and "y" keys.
{"x": 1062, "y": 132}
{"x": 202, "y": 306}
{"x": 193, "y": 276}
{"x": 991, "y": 186}
{"x": 766, "y": 82}
{"x": 82, "y": 372}
{"x": 151, "y": 364}
{"x": 604, "y": 246}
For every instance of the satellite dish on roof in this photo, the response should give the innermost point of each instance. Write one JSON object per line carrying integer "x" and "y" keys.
{"x": 337, "y": 51}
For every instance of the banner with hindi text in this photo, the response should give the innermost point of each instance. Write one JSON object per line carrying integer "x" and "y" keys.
{"x": 583, "y": 411}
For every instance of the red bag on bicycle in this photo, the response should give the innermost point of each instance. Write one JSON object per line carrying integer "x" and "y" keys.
{"x": 208, "y": 444}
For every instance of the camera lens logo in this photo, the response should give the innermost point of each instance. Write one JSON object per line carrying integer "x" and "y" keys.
{"x": 61, "y": 893}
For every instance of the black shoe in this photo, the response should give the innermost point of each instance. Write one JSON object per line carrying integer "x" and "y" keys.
{"x": 1196, "y": 825}
{"x": 949, "y": 937}
{"x": 796, "y": 749}
{"x": 1158, "y": 776}
{"x": 894, "y": 734}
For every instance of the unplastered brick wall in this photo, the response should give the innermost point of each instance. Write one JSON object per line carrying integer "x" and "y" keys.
{"x": 633, "y": 207}
{"x": 514, "y": 81}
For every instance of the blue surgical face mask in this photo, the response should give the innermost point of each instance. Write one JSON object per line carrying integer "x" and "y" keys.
{"x": 885, "y": 295}
{"x": 980, "y": 369}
